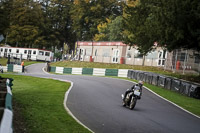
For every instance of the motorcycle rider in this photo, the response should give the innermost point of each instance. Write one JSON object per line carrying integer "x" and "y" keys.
{"x": 140, "y": 84}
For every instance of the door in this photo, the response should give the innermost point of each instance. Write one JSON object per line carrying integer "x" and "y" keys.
{"x": 29, "y": 54}
{"x": 115, "y": 58}
{"x": 81, "y": 54}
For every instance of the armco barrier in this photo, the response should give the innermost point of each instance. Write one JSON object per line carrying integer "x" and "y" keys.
{"x": 141, "y": 76}
{"x": 6, "y": 108}
{"x": 148, "y": 77}
{"x": 176, "y": 85}
{"x": 130, "y": 73}
{"x": 161, "y": 81}
{"x": 168, "y": 83}
{"x": 185, "y": 88}
{"x": 194, "y": 91}
{"x": 154, "y": 79}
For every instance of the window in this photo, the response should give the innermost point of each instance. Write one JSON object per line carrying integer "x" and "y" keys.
{"x": 1, "y": 49}
{"x": 10, "y": 50}
{"x": 128, "y": 55}
{"x": 29, "y": 52}
{"x": 41, "y": 53}
{"x": 34, "y": 52}
{"x": 6, "y": 50}
{"x": 88, "y": 52}
{"x": 138, "y": 55}
{"x": 197, "y": 58}
{"x": 47, "y": 54}
{"x": 106, "y": 53}
{"x": 25, "y": 51}
{"x": 17, "y": 51}
{"x": 182, "y": 57}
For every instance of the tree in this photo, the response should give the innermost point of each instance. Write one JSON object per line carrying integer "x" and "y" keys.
{"x": 164, "y": 22}
{"x": 5, "y": 7}
{"x": 87, "y": 14}
{"x": 110, "y": 31}
{"x": 178, "y": 24}
{"x": 26, "y": 21}
{"x": 137, "y": 27}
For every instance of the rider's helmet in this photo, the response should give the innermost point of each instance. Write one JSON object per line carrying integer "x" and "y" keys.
{"x": 140, "y": 83}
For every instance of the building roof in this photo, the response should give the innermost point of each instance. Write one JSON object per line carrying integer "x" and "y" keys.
{"x": 79, "y": 43}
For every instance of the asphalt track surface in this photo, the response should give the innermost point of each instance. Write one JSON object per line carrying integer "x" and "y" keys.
{"x": 96, "y": 102}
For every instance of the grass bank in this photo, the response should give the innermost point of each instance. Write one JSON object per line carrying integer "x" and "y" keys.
{"x": 39, "y": 102}
{"x": 159, "y": 70}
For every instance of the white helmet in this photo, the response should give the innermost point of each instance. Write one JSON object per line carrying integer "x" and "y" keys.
{"x": 140, "y": 83}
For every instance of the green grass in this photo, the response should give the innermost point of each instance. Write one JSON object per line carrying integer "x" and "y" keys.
{"x": 41, "y": 105}
{"x": 3, "y": 61}
{"x": 159, "y": 70}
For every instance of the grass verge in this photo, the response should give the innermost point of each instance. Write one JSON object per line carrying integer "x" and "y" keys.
{"x": 40, "y": 102}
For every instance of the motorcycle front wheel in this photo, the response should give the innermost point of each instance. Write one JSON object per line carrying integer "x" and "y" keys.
{"x": 133, "y": 103}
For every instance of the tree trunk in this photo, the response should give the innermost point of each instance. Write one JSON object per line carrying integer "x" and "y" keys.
{"x": 143, "y": 60}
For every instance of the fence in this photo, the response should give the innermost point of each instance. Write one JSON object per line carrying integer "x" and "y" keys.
{"x": 6, "y": 114}
{"x": 182, "y": 61}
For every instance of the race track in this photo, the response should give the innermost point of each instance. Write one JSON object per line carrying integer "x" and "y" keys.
{"x": 96, "y": 102}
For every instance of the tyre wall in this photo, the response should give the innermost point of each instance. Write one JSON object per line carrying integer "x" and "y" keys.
{"x": 184, "y": 87}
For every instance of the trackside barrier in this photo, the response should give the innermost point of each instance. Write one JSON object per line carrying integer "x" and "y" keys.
{"x": 12, "y": 68}
{"x": 5, "y": 68}
{"x": 184, "y": 87}
{"x": 59, "y": 69}
{"x": 76, "y": 70}
{"x": 6, "y": 107}
{"x": 91, "y": 71}
{"x": 122, "y": 73}
{"x": 99, "y": 72}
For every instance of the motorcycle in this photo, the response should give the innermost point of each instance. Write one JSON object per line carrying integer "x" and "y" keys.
{"x": 131, "y": 98}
